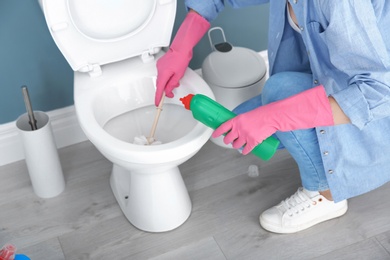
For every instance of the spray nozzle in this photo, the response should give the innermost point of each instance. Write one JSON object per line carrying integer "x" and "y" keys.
{"x": 187, "y": 101}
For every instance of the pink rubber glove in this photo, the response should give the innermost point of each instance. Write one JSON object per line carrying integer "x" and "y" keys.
{"x": 173, "y": 64}
{"x": 307, "y": 109}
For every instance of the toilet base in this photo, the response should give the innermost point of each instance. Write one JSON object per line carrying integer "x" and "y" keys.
{"x": 153, "y": 200}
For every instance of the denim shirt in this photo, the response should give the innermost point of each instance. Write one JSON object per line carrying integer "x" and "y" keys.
{"x": 345, "y": 45}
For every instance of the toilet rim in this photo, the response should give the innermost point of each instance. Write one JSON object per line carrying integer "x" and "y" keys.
{"x": 140, "y": 154}
{"x": 184, "y": 146}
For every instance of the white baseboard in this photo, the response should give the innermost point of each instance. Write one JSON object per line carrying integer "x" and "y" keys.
{"x": 66, "y": 131}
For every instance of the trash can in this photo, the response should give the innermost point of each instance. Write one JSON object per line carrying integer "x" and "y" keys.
{"x": 235, "y": 74}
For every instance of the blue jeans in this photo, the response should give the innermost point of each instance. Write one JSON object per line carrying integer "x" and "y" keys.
{"x": 301, "y": 144}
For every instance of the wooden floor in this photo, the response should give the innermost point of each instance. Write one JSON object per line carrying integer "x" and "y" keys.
{"x": 85, "y": 222}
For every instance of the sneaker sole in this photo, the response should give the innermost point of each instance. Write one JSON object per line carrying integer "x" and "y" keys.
{"x": 283, "y": 230}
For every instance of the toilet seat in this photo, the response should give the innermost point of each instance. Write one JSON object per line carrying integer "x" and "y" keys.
{"x": 92, "y": 33}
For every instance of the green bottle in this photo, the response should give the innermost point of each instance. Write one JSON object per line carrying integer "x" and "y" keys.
{"x": 213, "y": 114}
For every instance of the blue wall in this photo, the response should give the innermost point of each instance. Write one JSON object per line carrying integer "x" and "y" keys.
{"x": 28, "y": 55}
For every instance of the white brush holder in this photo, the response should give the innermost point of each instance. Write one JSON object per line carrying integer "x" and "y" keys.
{"x": 41, "y": 155}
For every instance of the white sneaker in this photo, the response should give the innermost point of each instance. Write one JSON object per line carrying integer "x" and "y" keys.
{"x": 301, "y": 211}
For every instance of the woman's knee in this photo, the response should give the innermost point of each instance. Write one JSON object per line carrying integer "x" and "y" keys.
{"x": 285, "y": 84}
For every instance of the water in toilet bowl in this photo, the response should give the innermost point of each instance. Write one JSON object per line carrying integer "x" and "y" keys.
{"x": 134, "y": 126}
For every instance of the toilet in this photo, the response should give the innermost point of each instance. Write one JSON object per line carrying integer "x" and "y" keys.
{"x": 113, "y": 46}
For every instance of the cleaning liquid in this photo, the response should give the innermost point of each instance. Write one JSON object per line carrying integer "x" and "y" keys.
{"x": 213, "y": 114}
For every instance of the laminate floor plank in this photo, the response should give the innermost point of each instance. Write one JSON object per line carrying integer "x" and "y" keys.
{"x": 203, "y": 249}
{"x": 384, "y": 240}
{"x": 26, "y": 219}
{"x": 118, "y": 237}
{"x": 367, "y": 249}
{"x": 50, "y": 250}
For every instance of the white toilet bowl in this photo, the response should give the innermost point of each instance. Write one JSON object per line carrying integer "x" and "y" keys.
{"x": 114, "y": 86}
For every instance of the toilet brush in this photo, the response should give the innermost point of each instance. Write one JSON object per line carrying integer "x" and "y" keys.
{"x": 150, "y": 139}
{"x": 29, "y": 109}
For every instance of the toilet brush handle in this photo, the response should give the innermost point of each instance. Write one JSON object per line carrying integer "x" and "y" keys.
{"x": 150, "y": 139}
{"x": 29, "y": 109}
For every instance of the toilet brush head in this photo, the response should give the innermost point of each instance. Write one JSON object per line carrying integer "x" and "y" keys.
{"x": 143, "y": 140}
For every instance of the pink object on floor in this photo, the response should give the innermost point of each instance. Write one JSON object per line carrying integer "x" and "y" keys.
{"x": 7, "y": 252}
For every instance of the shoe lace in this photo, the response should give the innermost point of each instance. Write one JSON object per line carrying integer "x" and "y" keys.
{"x": 298, "y": 202}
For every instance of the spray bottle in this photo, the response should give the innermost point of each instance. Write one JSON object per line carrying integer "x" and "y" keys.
{"x": 213, "y": 114}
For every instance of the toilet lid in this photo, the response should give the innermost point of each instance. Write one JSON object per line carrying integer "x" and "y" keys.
{"x": 91, "y": 33}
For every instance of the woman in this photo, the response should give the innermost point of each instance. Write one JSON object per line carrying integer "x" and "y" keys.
{"x": 327, "y": 99}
